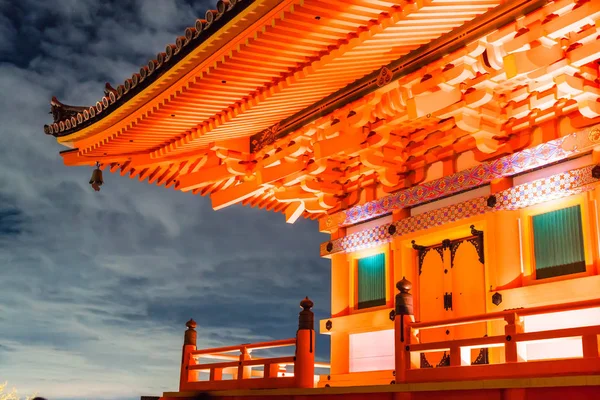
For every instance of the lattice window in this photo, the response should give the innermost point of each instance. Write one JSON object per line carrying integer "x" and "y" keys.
{"x": 558, "y": 243}
{"x": 371, "y": 281}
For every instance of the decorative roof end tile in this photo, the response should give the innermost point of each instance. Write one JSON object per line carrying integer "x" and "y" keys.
{"x": 67, "y": 118}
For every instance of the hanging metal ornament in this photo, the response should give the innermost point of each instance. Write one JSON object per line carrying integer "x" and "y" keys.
{"x": 96, "y": 180}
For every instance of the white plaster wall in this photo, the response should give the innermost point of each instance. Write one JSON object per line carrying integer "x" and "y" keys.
{"x": 372, "y": 351}
{"x": 471, "y": 194}
{"x": 553, "y": 170}
{"x": 369, "y": 224}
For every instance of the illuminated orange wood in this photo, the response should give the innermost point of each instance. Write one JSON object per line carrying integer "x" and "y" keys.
{"x": 224, "y": 123}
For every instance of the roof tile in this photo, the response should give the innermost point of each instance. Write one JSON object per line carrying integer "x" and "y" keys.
{"x": 68, "y": 119}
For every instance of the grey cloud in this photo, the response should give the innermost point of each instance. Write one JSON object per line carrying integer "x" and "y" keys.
{"x": 7, "y": 34}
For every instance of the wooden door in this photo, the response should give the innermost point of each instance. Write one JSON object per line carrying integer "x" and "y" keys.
{"x": 453, "y": 269}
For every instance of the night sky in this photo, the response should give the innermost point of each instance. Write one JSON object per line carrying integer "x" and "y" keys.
{"x": 95, "y": 288}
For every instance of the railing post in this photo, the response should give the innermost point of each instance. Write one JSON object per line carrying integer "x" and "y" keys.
{"x": 304, "y": 366}
{"x": 513, "y": 351}
{"x": 271, "y": 371}
{"x": 216, "y": 374}
{"x": 189, "y": 345}
{"x": 402, "y": 332}
{"x": 590, "y": 346}
{"x": 244, "y": 372}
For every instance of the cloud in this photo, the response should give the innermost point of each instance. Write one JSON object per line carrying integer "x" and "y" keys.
{"x": 7, "y": 34}
{"x": 96, "y": 287}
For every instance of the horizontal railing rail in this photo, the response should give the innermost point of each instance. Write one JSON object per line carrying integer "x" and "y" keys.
{"x": 498, "y": 341}
{"x": 490, "y": 341}
{"x": 500, "y": 315}
{"x": 263, "y": 361}
{"x": 230, "y": 357}
{"x": 249, "y": 346}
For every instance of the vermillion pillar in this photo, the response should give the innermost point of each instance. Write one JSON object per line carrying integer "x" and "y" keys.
{"x": 304, "y": 367}
{"x": 402, "y": 319}
{"x": 189, "y": 345}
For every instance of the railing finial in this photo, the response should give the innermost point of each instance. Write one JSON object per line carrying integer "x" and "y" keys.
{"x": 306, "y": 318}
{"x": 404, "y": 299}
{"x": 190, "y": 333}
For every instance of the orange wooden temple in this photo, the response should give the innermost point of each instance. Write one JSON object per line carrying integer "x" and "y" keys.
{"x": 451, "y": 148}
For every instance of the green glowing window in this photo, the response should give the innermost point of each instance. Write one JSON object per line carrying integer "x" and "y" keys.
{"x": 371, "y": 281}
{"x": 558, "y": 243}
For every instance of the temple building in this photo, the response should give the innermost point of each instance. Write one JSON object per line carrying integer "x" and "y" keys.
{"x": 451, "y": 150}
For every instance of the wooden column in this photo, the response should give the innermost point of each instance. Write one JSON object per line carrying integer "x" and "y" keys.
{"x": 304, "y": 367}
{"x": 340, "y": 305}
{"x": 189, "y": 345}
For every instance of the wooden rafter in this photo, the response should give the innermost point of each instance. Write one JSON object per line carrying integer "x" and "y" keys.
{"x": 484, "y": 99}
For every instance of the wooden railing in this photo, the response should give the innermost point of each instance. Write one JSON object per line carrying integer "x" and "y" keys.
{"x": 242, "y": 366}
{"x": 513, "y": 340}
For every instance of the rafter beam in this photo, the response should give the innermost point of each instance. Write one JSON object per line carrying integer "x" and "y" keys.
{"x": 235, "y": 194}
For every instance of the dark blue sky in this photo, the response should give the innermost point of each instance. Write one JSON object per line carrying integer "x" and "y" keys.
{"x": 96, "y": 288}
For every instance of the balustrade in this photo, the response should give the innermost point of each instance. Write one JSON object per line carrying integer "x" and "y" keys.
{"x": 241, "y": 366}
{"x": 460, "y": 367}
{"x": 510, "y": 359}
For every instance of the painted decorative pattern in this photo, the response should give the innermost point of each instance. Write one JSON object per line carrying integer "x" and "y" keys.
{"x": 482, "y": 174}
{"x": 542, "y": 190}
{"x": 539, "y": 191}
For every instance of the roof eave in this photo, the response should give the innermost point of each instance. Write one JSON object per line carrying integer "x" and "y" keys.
{"x": 119, "y": 103}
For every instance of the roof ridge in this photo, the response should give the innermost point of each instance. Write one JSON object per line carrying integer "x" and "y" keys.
{"x": 67, "y": 118}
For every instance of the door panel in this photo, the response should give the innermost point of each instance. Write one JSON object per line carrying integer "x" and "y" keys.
{"x": 468, "y": 286}
{"x": 431, "y": 299}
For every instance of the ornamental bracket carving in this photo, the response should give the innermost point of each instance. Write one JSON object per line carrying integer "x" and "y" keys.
{"x": 477, "y": 241}
{"x": 424, "y": 362}
{"x": 482, "y": 357}
{"x": 453, "y": 249}
{"x": 422, "y": 251}
{"x": 445, "y": 361}
{"x": 265, "y": 138}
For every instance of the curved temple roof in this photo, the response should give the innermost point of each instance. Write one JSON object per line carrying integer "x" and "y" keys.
{"x": 68, "y": 119}
{"x": 302, "y": 105}
{"x": 300, "y": 53}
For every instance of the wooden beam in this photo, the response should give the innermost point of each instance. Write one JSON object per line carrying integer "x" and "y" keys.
{"x": 203, "y": 177}
{"x": 75, "y": 159}
{"x": 240, "y": 145}
{"x": 281, "y": 171}
{"x": 343, "y": 142}
{"x": 294, "y": 211}
{"x": 235, "y": 194}
{"x": 294, "y": 194}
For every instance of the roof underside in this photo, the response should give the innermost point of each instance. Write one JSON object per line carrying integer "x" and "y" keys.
{"x": 189, "y": 126}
